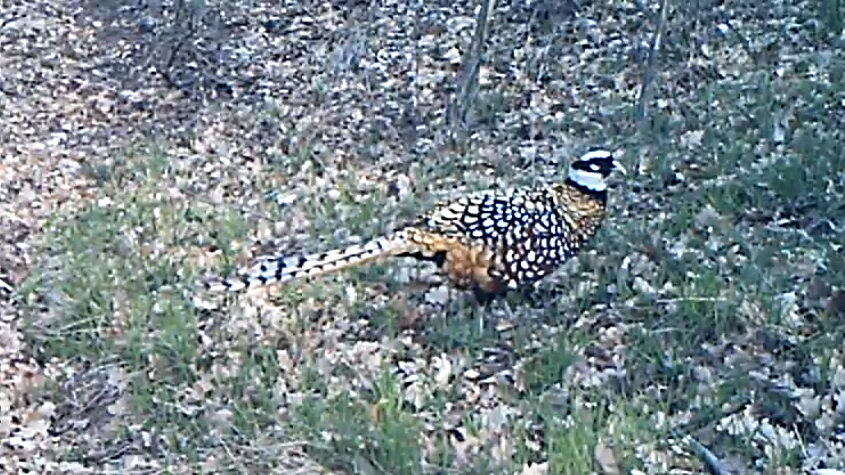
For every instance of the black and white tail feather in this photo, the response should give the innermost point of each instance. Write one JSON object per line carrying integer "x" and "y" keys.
{"x": 278, "y": 270}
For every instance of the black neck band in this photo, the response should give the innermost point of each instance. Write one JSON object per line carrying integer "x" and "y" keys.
{"x": 599, "y": 195}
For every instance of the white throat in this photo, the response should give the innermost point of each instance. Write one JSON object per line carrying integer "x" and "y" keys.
{"x": 590, "y": 180}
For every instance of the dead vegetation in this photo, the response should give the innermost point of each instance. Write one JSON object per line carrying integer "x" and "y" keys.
{"x": 145, "y": 144}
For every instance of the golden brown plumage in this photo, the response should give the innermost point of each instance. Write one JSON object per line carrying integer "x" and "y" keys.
{"x": 490, "y": 241}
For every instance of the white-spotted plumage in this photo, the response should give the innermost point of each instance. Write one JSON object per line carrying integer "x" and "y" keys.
{"x": 490, "y": 241}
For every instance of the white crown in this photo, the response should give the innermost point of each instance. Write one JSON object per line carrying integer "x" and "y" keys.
{"x": 595, "y": 154}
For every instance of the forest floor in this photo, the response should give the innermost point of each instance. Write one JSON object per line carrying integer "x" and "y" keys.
{"x": 145, "y": 148}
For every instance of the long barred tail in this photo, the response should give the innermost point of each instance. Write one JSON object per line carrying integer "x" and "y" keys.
{"x": 285, "y": 269}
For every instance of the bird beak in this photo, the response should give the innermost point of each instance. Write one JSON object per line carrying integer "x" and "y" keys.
{"x": 618, "y": 165}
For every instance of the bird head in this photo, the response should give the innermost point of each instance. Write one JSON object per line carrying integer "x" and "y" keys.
{"x": 592, "y": 169}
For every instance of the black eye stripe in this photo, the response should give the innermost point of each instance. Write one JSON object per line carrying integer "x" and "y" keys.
{"x": 603, "y": 165}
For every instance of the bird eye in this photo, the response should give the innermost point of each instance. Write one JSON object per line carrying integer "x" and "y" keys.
{"x": 595, "y": 167}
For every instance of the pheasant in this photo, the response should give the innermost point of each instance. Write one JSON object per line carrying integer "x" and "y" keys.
{"x": 489, "y": 241}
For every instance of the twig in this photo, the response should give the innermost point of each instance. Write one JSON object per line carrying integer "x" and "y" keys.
{"x": 237, "y": 463}
{"x": 6, "y": 286}
{"x": 648, "y": 77}
{"x": 713, "y": 464}
{"x": 105, "y": 454}
{"x": 692, "y": 299}
{"x": 281, "y": 445}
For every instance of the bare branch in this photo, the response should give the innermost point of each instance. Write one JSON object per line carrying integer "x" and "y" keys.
{"x": 648, "y": 77}
{"x": 471, "y": 64}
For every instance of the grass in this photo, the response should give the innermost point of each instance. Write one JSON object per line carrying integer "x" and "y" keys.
{"x": 118, "y": 291}
{"x": 695, "y": 300}
{"x": 378, "y": 433}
